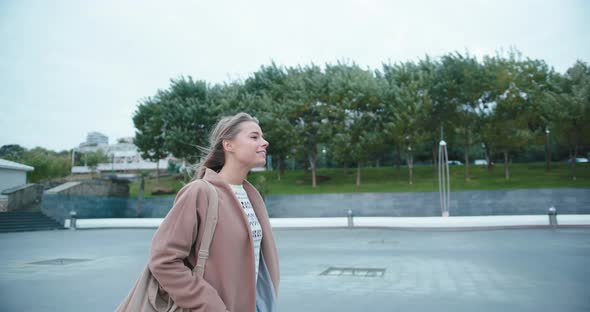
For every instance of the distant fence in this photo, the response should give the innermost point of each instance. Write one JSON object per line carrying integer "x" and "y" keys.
{"x": 416, "y": 204}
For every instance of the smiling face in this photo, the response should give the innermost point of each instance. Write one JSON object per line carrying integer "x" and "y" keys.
{"x": 248, "y": 147}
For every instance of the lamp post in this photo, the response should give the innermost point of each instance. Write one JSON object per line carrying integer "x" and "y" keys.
{"x": 444, "y": 179}
{"x": 547, "y": 149}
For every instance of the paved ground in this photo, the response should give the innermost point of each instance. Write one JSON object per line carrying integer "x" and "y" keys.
{"x": 503, "y": 270}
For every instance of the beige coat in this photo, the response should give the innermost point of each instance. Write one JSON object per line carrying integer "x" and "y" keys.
{"x": 229, "y": 280}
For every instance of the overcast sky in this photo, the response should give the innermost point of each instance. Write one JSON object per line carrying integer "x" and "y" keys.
{"x": 70, "y": 67}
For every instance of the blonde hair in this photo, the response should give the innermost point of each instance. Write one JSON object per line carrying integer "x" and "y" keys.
{"x": 226, "y": 129}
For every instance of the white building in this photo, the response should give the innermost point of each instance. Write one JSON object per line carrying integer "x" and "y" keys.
{"x": 94, "y": 141}
{"x": 12, "y": 174}
{"x": 97, "y": 138}
{"x": 123, "y": 156}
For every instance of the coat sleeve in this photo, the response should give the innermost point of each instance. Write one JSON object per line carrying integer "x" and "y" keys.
{"x": 171, "y": 244}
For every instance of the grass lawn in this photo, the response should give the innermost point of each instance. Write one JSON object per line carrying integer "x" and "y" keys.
{"x": 387, "y": 179}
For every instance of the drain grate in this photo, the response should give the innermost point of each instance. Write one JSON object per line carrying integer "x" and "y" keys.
{"x": 362, "y": 272}
{"x": 60, "y": 261}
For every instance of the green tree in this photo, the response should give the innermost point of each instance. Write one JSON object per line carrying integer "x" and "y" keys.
{"x": 309, "y": 111}
{"x": 150, "y": 125}
{"x": 507, "y": 128}
{"x": 92, "y": 159}
{"x": 537, "y": 81}
{"x": 572, "y": 115}
{"x": 406, "y": 105}
{"x": 460, "y": 84}
{"x": 443, "y": 102}
{"x": 268, "y": 88}
{"x": 189, "y": 111}
{"x": 47, "y": 164}
{"x": 12, "y": 152}
{"x": 354, "y": 92}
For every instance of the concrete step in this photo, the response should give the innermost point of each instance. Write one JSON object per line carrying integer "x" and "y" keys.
{"x": 27, "y": 222}
{"x": 12, "y": 215}
{"x": 19, "y": 221}
{"x": 28, "y": 229}
{"x": 33, "y": 217}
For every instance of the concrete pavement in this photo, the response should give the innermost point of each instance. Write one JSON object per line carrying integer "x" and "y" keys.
{"x": 427, "y": 270}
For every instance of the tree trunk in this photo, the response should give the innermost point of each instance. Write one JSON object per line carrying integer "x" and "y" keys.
{"x": 573, "y": 159}
{"x": 358, "y": 174}
{"x": 140, "y": 196}
{"x": 399, "y": 159}
{"x": 506, "y": 171}
{"x": 410, "y": 168}
{"x": 186, "y": 175}
{"x": 467, "y": 147}
{"x": 488, "y": 156}
{"x": 312, "y": 162}
{"x": 467, "y": 176}
{"x": 435, "y": 159}
{"x": 157, "y": 172}
{"x": 547, "y": 154}
{"x": 279, "y": 164}
{"x": 282, "y": 164}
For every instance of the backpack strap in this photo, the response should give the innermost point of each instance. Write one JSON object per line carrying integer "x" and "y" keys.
{"x": 210, "y": 224}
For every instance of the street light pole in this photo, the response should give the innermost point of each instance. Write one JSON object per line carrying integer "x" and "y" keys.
{"x": 444, "y": 178}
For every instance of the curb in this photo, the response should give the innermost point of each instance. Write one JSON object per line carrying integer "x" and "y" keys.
{"x": 416, "y": 223}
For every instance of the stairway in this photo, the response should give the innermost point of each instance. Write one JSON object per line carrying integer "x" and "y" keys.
{"x": 21, "y": 221}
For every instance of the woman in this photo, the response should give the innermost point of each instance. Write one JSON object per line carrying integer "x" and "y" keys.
{"x": 242, "y": 272}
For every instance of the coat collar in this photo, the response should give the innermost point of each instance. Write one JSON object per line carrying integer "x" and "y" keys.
{"x": 214, "y": 178}
{"x": 253, "y": 194}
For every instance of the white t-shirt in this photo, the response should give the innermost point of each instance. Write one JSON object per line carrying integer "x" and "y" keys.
{"x": 255, "y": 227}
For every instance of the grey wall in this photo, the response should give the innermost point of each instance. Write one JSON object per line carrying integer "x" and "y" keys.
{"x": 10, "y": 178}
{"x": 58, "y": 206}
{"x": 153, "y": 207}
{"x": 468, "y": 203}
{"x": 103, "y": 188}
{"x": 26, "y": 197}
{"x": 464, "y": 203}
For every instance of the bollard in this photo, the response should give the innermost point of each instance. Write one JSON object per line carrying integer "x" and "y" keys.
{"x": 350, "y": 222}
{"x": 72, "y": 220}
{"x": 552, "y": 213}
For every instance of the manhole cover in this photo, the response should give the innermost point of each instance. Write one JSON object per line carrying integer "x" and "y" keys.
{"x": 60, "y": 261}
{"x": 362, "y": 272}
